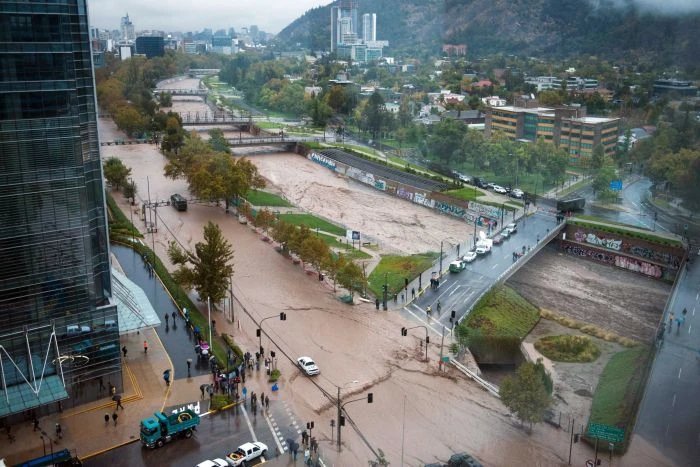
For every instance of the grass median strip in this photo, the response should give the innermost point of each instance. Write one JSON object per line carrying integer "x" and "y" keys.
{"x": 503, "y": 312}
{"x": 395, "y": 269}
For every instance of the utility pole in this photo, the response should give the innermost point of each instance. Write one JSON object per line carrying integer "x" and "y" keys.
{"x": 230, "y": 289}
{"x": 440, "y": 271}
{"x": 338, "y": 421}
{"x": 442, "y": 343}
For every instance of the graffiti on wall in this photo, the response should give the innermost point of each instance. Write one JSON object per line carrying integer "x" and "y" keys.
{"x": 485, "y": 209}
{"x": 624, "y": 262}
{"x": 402, "y": 193}
{"x": 593, "y": 239}
{"x": 655, "y": 255}
{"x": 423, "y": 200}
{"x": 322, "y": 160}
{"x": 450, "y": 209}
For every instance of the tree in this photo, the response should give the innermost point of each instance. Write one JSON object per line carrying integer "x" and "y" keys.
{"x": 207, "y": 270}
{"x": 333, "y": 264}
{"x": 447, "y": 136}
{"x": 525, "y": 394}
{"x": 116, "y": 172}
{"x": 282, "y": 232}
{"x": 314, "y": 251}
{"x": 598, "y": 157}
{"x": 130, "y": 120}
{"x": 217, "y": 141}
{"x": 165, "y": 99}
{"x": 130, "y": 191}
{"x": 352, "y": 278}
{"x": 264, "y": 219}
{"x": 375, "y": 116}
{"x": 601, "y": 183}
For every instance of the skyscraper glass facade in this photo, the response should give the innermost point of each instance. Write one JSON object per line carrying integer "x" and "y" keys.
{"x": 58, "y": 329}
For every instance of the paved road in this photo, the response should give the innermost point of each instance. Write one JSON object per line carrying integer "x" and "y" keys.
{"x": 216, "y": 436}
{"x": 459, "y": 291}
{"x": 669, "y": 416}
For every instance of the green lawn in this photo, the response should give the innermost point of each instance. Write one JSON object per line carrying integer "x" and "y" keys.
{"x": 263, "y": 198}
{"x": 620, "y": 390}
{"x": 466, "y": 193}
{"x": 346, "y": 248}
{"x": 397, "y": 269}
{"x": 568, "y": 348}
{"x": 503, "y": 312}
{"x": 313, "y": 223}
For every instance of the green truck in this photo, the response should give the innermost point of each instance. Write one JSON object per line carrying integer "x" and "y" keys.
{"x": 161, "y": 428}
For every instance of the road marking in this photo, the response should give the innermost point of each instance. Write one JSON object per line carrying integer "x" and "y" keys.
{"x": 680, "y": 370}
{"x": 673, "y": 403}
{"x": 689, "y": 327}
{"x": 455, "y": 290}
{"x": 693, "y": 311}
{"x": 277, "y": 441}
{"x": 247, "y": 420}
{"x": 494, "y": 266}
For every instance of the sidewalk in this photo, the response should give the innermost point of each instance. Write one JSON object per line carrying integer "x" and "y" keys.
{"x": 85, "y": 433}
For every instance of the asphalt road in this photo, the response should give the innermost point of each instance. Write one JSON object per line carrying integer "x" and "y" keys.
{"x": 216, "y": 436}
{"x": 459, "y": 291}
{"x": 669, "y": 416}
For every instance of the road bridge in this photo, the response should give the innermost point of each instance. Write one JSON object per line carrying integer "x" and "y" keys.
{"x": 275, "y": 140}
{"x": 182, "y": 92}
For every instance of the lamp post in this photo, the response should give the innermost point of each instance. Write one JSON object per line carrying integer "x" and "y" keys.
{"x": 337, "y": 403}
{"x": 385, "y": 291}
{"x": 440, "y": 272}
{"x": 282, "y": 317}
{"x": 211, "y": 343}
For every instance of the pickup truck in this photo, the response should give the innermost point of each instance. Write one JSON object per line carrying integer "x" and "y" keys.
{"x": 161, "y": 428}
{"x": 246, "y": 453}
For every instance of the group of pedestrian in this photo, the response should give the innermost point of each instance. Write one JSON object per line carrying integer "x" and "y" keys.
{"x": 114, "y": 418}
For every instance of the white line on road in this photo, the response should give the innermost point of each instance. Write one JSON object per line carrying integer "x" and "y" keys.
{"x": 680, "y": 370}
{"x": 277, "y": 441}
{"x": 697, "y": 296}
{"x": 494, "y": 266}
{"x": 455, "y": 290}
{"x": 693, "y": 311}
{"x": 673, "y": 403}
{"x": 689, "y": 328}
{"x": 247, "y": 420}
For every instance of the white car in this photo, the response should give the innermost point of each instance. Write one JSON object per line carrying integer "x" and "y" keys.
{"x": 246, "y": 453}
{"x": 469, "y": 257}
{"x": 512, "y": 228}
{"x": 517, "y": 193}
{"x": 213, "y": 463}
{"x": 482, "y": 249}
{"x": 308, "y": 366}
{"x": 499, "y": 189}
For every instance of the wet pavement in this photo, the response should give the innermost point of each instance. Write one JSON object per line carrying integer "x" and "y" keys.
{"x": 178, "y": 342}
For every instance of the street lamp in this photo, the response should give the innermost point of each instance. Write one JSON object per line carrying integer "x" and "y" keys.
{"x": 282, "y": 316}
{"x": 341, "y": 418}
{"x": 385, "y": 290}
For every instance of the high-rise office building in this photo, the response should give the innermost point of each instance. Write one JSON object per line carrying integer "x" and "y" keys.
{"x": 127, "y": 29}
{"x": 58, "y": 326}
{"x": 369, "y": 27}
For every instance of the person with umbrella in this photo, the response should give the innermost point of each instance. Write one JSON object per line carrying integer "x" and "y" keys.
{"x": 166, "y": 377}
{"x": 118, "y": 399}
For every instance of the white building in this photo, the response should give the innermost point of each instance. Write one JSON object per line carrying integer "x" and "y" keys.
{"x": 369, "y": 27}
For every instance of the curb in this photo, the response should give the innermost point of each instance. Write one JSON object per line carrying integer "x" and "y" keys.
{"x": 102, "y": 451}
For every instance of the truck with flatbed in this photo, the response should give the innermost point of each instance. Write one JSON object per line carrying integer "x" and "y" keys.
{"x": 246, "y": 453}
{"x": 162, "y": 428}
{"x": 572, "y": 204}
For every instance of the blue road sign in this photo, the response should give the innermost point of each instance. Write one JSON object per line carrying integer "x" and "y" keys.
{"x": 616, "y": 185}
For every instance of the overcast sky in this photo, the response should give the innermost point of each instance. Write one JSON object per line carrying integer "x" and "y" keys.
{"x": 182, "y": 15}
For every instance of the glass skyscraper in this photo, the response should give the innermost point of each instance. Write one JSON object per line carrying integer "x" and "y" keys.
{"x": 59, "y": 338}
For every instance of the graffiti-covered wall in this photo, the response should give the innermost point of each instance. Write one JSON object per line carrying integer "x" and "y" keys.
{"x": 469, "y": 211}
{"x": 661, "y": 261}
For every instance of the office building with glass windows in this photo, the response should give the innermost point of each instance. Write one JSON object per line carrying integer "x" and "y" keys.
{"x": 59, "y": 337}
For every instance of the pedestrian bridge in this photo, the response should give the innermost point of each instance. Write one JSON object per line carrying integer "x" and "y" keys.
{"x": 276, "y": 140}
{"x": 182, "y": 92}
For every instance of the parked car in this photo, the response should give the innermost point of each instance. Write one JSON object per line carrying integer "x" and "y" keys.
{"x": 479, "y": 182}
{"x": 489, "y": 185}
{"x": 178, "y": 202}
{"x": 308, "y": 366}
{"x": 465, "y": 178}
{"x": 517, "y": 193}
{"x": 498, "y": 239}
{"x": 469, "y": 257}
{"x": 499, "y": 189}
{"x": 512, "y": 228}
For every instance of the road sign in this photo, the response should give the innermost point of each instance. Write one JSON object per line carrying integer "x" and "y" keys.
{"x": 606, "y": 432}
{"x": 616, "y": 185}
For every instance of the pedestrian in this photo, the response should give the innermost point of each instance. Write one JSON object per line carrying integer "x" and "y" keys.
{"x": 396, "y": 298}
{"x": 166, "y": 377}
{"x": 429, "y": 310}
{"x": 413, "y": 293}
{"x": 670, "y": 321}
{"x": 174, "y": 316}
{"x": 166, "y": 319}
{"x": 189, "y": 366}
{"x": 118, "y": 399}
{"x": 267, "y": 402}
{"x": 112, "y": 389}
{"x": 124, "y": 350}
{"x": 402, "y": 300}
{"x": 685, "y": 311}
{"x": 262, "y": 398}
{"x": 439, "y": 307}
{"x": 145, "y": 347}
{"x": 59, "y": 431}
{"x": 106, "y": 419}
{"x": 115, "y": 417}
{"x": 202, "y": 387}
{"x": 376, "y": 303}
{"x": 36, "y": 424}
{"x": 101, "y": 383}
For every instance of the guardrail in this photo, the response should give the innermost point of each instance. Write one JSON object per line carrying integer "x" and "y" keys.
{"x": 490, "y": 387}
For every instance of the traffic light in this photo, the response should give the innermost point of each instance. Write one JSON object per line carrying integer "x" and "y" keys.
{"x": 404, "y": 331}
{"x": 262, "y": 351}
{"x": 453, "y": 315}
{"x": 370, "y": 397}
{"x": 310, "y": 426}
{"x": 576, "y": 436}
{"x": 342, "y": 420}
{"x": 272, "y": 353}
{"x": 427, "y": 340}
{"x": 283, "y": 316}
{"x": 257, "y": 332}
{"x": 405, "y": 282}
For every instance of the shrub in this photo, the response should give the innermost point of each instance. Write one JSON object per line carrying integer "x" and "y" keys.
{"x": 274, "y": 375}
{"x": 568, "y": 348}
{"x": 219, "y": 401}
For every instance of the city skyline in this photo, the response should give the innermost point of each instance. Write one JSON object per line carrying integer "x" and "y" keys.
{"x": 271, "y": 15}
